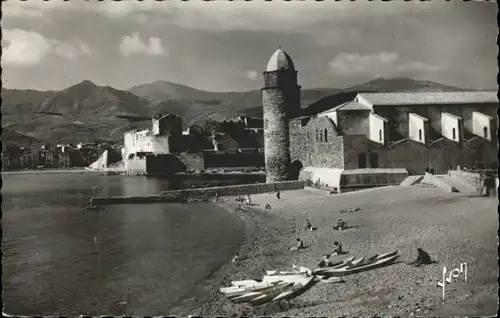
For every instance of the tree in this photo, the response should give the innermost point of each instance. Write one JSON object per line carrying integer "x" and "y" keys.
{"x": 210, "y": 126}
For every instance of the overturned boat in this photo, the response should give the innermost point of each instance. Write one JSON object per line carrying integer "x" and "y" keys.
{"x": 271, "y": 289}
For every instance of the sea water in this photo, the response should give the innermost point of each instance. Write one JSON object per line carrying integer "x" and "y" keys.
{"x": 60, "y": 259}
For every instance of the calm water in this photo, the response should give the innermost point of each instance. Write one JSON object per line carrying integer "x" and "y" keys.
{"x": 128, "y": 259}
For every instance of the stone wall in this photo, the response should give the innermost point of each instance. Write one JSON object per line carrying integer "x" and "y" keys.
{"x": 354, "y": 146}
{"x": 323, "y": 152}
{"x": 409, "y": 154}
{"x": 354, "y": 122}
{"x": 299, "y": 143}
{"x": 480, "y": 153}
{"x": 233, "y": 159}
{"x": 182, "y": 195}
{"x": 444, "y": 154}
{"x": 136, "y": 166}
{"x": 369, "y": 178}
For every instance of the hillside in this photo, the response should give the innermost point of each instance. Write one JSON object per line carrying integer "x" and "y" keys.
{"x": 87, "y": 112}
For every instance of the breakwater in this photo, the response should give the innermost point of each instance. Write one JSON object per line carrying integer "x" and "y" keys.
{"x": 200, "y": 193}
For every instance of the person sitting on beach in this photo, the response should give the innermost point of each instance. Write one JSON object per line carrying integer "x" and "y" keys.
{"x": 338, "y": 249}
{"x": 268, "y": 206}
{"x": 300, "y": 245}
{"x": 325, "y": 262}
{"x": 236, "y": 258}
{"x": 248, "y": 199}
{"x": 341, "y": 224}
{"x": 423, "y": 258}
{"x": 309, "y": 226}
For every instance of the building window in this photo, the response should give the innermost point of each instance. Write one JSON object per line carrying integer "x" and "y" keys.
{"x": 308, "y": 137}
{"x": 362, "y": 160}
{"x": 373, "y": 160}
{"x": 485, "y": 132}
{"x": 317, "y": 135}
{"x": 326, "y": 135}
{"x": 420, "y": 134}
{"x": 320, "y": 136}
{"x": 453, "y": 134}
{"x": 380, "y": 135}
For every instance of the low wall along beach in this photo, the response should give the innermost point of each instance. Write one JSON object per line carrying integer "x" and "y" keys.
{"x": 185, "y": 194}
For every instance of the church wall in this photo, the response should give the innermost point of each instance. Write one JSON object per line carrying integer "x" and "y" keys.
{"x": 355, "y": 122}
{"x": 356, "y": 145}
{"x": 299, "y": 143}
{"x": 399, "y": 121}
{"x": 409, "y": 154}
{"x": 323, "y": 152}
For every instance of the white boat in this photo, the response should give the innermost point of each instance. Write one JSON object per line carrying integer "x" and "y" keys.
{"x": 254, "y": 294}
{"x": 234, "y": 291}
{"x": 296, "y": 289}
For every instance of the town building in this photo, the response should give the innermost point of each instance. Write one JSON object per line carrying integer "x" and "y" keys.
{"x": 375, "y": 138}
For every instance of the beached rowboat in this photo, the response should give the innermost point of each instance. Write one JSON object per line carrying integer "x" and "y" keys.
{"x": 361, "y": 267}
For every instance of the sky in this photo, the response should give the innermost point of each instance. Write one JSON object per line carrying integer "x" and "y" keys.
{"x": 225, "y": 46}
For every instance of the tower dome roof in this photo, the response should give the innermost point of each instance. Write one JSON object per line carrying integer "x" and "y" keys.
{"x": 280, "y": 61}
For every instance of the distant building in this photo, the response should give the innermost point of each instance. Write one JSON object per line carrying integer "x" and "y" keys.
{"x": 164, "y": 137}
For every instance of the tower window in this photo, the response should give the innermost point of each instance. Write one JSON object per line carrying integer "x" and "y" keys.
{"x": 485, "y": 132}
{"x": 420, "y": 134}
{"x": 317, "y": 135}
{"x": 453, "y": 134}
{"x": 308, "y": 137}
{"x": 380, "y": 135}
{"x": 320, "y": 136}
{"x": 326, "y": 135}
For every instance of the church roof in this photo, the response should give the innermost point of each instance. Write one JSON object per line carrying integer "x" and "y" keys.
{"x": 280, "y": 61}
{"x": 429, "y": 98}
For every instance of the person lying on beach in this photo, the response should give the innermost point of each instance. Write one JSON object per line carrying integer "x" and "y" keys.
{"x": 309, "y": 226}
{"x": 300, "y": 245}
{"x": 423, "y": 258}
{"x": 337, "y": 249}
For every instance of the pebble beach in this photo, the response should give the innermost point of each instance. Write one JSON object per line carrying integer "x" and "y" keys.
{"x": 451, "y": 227}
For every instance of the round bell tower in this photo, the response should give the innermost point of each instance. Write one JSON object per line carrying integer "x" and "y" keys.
{"x": 281, "y": 101}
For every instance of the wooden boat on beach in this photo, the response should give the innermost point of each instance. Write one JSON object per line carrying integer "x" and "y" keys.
{"x": 362, "y": 266}
{"x": 334, "y": 265}
{"x": 298, "y": 288}
{"x": 279, "y": 288}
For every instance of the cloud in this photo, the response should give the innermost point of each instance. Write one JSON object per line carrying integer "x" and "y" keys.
{"x": 383, "y": 63}
{"x": 26, "y": 48}
{"x": 251, "y": 75}
{"x": 132, "y": 44}
{"x": 220, "y": 16}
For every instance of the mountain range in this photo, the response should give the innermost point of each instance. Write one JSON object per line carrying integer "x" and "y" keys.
{"x": 87, "y": 112}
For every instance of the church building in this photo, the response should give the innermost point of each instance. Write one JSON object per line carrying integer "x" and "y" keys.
{"x": 375, "y": 138}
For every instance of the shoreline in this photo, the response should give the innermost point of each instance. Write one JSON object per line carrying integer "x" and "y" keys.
{"x": 393, "y": 290}
{"x": 55, "y": 170}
